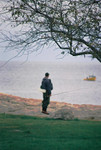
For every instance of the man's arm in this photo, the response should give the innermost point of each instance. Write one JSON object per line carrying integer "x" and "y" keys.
{"x": 48, "y": 87}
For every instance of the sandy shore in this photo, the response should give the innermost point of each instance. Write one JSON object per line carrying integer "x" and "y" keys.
{"x": 23, "y": 106}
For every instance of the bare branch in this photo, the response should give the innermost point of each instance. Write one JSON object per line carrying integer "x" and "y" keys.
{"x": 74, "y": 26}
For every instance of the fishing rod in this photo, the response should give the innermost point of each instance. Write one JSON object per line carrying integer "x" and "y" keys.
{"x": 68, "y": 91}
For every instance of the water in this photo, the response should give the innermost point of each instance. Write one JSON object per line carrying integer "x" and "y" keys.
{"x": 24, "y": 80}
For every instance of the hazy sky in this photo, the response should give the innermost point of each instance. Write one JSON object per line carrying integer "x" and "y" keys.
{"x": 46, "y": 54}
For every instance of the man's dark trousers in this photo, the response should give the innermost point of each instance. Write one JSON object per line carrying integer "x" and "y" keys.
{"x": 45, "y": 102}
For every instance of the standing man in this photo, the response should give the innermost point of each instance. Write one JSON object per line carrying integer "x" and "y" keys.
{"x": 47, "y": 85}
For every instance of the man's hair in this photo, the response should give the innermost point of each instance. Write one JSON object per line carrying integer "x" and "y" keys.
{"x": 46, "y": 74}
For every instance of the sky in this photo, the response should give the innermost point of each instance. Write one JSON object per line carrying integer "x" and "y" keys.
{"x": 50, "y": 53}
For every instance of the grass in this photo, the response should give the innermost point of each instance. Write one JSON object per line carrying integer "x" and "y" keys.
{"x": 33, "y": 133}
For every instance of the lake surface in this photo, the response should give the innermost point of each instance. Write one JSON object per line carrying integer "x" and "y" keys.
{"x": 24, "y": 80}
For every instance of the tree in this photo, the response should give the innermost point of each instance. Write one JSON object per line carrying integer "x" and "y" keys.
{"x": 73, "y": 25}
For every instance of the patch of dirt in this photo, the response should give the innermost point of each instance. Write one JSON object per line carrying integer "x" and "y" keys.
{"x": 27, "y": 106}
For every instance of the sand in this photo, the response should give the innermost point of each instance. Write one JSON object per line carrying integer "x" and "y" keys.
{"x": 10, "y": 104}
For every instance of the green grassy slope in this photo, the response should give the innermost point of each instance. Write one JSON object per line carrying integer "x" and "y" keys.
{"x": 32, "y": 133}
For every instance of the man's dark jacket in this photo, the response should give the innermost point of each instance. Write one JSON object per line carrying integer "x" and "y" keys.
{"x": 47, "y": 85}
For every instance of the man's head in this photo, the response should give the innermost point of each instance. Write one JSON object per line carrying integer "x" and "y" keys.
{"x": 46, "y": 74}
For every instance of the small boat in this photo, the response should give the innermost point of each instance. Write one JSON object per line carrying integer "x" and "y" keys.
{"x": 90, "y": 78}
